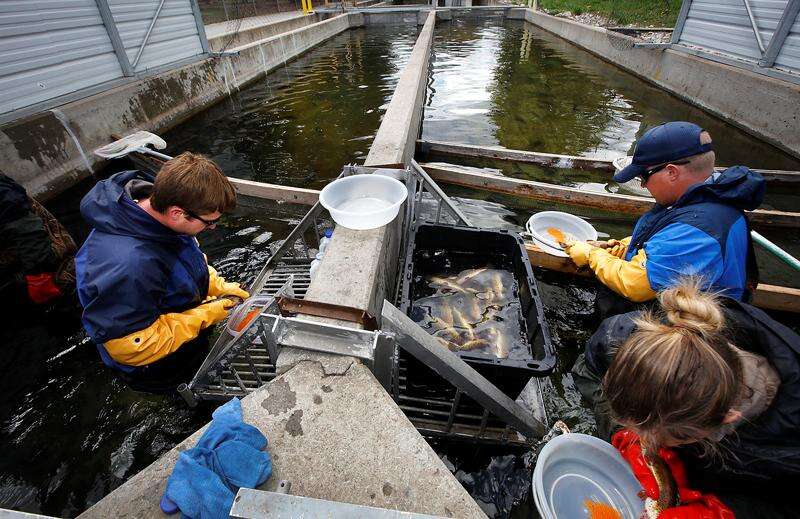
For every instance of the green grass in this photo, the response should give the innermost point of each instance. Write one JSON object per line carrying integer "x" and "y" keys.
{"x": 661, "y": 13}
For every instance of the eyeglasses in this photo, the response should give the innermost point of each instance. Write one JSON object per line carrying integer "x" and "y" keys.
{"x": 649, "y": 172}
{"x": 208, "y": 223}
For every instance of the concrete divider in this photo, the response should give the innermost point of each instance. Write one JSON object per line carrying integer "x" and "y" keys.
{"x": 52, "y": 150}
{"x": 395, "y": 140}
{"x": 766, "y": 107}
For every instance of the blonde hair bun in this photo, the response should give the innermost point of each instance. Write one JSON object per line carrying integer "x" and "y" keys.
{"x": 687, "y": 306}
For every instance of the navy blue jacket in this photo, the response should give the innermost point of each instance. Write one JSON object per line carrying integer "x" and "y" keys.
{"x": 704, "y": 233}
{"x": 132, "y": 269}
{"x": 767, "y": 447}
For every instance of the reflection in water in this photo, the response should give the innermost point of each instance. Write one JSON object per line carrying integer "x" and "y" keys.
{"x": 513, "y": 85}
{"x": 299, "y": 125}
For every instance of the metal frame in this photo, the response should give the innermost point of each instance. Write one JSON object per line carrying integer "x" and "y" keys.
{"x": 754, "y": 26}
{"x": 769, "y": 53}
{"x": 261, "y": 504}
{"x": 147, "y": 34}
{"x": 788, "y": 18}
{"x": 201, "y": 28}
{"x": 116, "y": 40}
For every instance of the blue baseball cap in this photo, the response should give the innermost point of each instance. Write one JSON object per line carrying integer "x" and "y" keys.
{"x": 662, "y": 145}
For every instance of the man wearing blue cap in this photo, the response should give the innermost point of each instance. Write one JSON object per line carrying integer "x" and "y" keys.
{"x": 697, "y": 227}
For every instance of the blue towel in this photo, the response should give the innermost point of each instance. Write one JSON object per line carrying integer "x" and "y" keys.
{"x": 229, "y": 455}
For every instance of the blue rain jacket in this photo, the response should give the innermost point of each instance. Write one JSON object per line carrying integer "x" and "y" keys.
{"x": 132, "y": 269}
{"x": 704, "y": 233}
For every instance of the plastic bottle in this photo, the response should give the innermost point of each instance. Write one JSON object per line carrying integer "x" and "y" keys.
{"x": 326, "y": 239}
{"x": 323, "y": 244}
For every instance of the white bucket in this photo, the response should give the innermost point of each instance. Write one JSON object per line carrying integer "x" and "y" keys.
{"x": 569, "y": 224}
{"x": 574, "y": 468}
{"x": 362, "y": 202}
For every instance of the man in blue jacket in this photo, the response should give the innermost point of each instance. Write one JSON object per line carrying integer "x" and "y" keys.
{"x": 145, "y": 286}
{"x": 697, "y": 227}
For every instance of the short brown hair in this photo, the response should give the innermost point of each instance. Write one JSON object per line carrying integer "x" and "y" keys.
{"x": 677, "y": 375}
{"x": 704, "y": 162}
{"x": 192, "y": 182}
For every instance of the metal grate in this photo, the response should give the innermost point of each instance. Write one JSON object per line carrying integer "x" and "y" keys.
{"x": 439, "y": 409}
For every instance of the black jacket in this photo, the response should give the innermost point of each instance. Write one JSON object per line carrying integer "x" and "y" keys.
{"x": 25, "y": 247}
{"x": 765, "y": 449}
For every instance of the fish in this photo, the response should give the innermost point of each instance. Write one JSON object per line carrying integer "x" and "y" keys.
{"x": 449, "y": 283}
{"x": 449, "y": 332}
{"x": 468, "y": 275}
{"x": 667, "y": 488}
{"x": 500, "y": 344}
{"x": 461, "y": 322}
{"x": 557, "y": 234}
{"x": 497, "y": 285}
{"x": 473, "y": 345}
{"x": 247, "y": 318}
{"x": 598, "y": 510}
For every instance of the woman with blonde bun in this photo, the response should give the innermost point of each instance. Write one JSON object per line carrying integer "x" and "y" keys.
{"x": 712, "y": 377}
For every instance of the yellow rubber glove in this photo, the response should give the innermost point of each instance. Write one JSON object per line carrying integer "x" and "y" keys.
{"x": 618, "y": 248}
{"x": 626, "y": 278}
{"x": 166, "y": 334}
{"x": 579, "y": 252}
{"x": 217, "y": 286}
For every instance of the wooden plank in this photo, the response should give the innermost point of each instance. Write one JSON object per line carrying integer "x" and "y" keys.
{"x": 773, "y": 297}
{"x": 498, "y": 153}
{"x": 632, "y": 205}
{"x": 539, "y": 190}
{"x": 561, "y": 161}
{"x": 293, "y": 195}
{"x": 769, "y": 297}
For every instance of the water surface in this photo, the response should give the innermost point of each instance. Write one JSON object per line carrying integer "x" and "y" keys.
{"x": 300, "y": 124}
{"x": 514, "y": 85}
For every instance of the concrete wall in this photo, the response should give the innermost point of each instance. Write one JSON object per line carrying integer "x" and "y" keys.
{"x": 765, "y": 107}
{"x": 235, "y": 37}
{"x": 52, "y": 150}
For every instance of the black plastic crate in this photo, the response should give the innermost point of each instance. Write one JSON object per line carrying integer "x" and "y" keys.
{"x": 438, "y": 250}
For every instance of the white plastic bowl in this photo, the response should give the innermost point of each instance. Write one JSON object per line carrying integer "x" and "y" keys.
{"x": 567, "y": 223}
{"x": 362, "y": 202}
{"x": 573, "y": 468}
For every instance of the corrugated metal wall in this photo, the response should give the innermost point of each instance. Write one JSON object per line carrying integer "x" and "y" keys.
{"x": 50, "y": 48}
{"x": 174, "y": 36}
{"x": 723, "y": 26}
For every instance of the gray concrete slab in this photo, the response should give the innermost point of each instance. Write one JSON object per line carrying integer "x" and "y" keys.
{"x": 335, "y": 436}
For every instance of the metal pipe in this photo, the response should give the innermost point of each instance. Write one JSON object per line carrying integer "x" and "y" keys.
{"x": 427, "y": 180}
{"x": 147, "y": 34}
{"x": 754, "y": 25}
{"x": 775, "y": 250}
